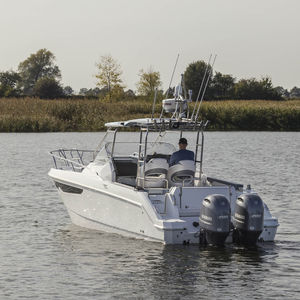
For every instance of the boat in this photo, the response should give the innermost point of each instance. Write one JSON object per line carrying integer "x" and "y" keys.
{"x": 128, "y": 188}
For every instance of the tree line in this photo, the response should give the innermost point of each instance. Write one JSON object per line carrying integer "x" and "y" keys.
{"x": 39, "y": 76}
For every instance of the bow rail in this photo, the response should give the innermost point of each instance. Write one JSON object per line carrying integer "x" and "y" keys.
{"x": 71, "y": 159}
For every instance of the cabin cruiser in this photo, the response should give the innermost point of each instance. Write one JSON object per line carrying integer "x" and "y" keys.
{"x": 129, "y": 188}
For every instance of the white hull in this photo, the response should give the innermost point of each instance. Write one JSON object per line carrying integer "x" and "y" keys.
{"x": 117, "y": 208}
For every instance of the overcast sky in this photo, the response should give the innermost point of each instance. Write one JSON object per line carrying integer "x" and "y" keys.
{"x": 252, "y": 38}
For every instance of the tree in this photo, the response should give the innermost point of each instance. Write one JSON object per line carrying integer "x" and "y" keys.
{"x": 129, "y": 94}
{"x": 68, "y": 91}
{"x": 193, "y": 76}
{"x": 93, "y": 93}
{"x": 8, "y": 83}
{"x": 284, "y": 93}
{"x": 149, "y": 81}
{"x": 47, "y": 88}
{"x": 36, "y": 66}
{"x": 109, "y": 76}
{"x": 82, "y": 91}
{"x": 295, "y": 93}
{"x": 222, "y": 86}
{"x": 256, "y": 89}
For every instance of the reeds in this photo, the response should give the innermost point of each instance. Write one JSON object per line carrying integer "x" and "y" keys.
{"x": 255, "y": 115}
{"x": 35, "y": 115}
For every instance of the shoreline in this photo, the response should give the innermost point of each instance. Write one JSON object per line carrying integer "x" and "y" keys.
{"x": 73, "y": 115}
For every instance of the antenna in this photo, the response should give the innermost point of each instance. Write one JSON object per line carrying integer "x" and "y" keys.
{"x": 209, "y": 75}
{"x": 201, "y": 87}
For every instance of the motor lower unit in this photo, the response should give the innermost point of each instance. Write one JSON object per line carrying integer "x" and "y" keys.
{"x": 248, "y": 219}
{"x": 215, "y": 215}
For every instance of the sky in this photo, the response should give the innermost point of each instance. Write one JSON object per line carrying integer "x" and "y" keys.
{"x": 252, "y": 38}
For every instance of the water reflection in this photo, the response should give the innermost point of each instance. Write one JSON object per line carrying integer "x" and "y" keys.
{"x": 165, "y": 271}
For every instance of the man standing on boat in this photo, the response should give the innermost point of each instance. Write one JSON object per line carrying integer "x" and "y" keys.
{"x": 182, "y": 153}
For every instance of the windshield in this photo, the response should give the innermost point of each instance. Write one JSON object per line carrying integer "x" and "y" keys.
{"x": 132, "y": 149}
{"x": 160, "y": 148}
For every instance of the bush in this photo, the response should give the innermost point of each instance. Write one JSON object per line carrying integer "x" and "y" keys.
{"x": 47, "y": 88}
{"x": 247, "y": 89}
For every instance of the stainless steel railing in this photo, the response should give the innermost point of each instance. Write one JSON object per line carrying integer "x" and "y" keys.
{"x": 71, "y": 159}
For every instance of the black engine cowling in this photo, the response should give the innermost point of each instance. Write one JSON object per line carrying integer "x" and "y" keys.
{"x": 248, "y": 218}
{"x": 214, "y": 219}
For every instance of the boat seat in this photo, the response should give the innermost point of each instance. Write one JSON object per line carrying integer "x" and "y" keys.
{"x": 182, "y": 174}
{"x": 156, "y": 170}
{"x": 157, "y": 155}
{"x": 127, "y": 180}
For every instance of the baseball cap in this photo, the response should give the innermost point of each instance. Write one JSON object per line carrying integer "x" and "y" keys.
{"x": 183, "y": 141}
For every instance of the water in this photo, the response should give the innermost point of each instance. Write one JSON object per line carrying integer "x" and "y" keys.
{"x": 44, "y": 256}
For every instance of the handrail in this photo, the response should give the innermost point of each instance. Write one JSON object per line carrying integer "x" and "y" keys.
{"x": 71, "y": 149}
{"x": 70, "y": 158}
{"x": 187, "y": 179}
{"x": 228, "y": 183}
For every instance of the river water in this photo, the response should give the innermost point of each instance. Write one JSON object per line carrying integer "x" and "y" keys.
{"x": 44, "y": 256}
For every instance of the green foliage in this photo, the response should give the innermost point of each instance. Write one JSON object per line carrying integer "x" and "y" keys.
{"x": 9, "y": 78}
{"x": 117, "y": 93}
{"x": 36, "y": 115}
{"x": 252, "y": 115}
{"x": 93, "y": 93}
{"x": 222, "y": 86}
{"x": 68, "y": 91}
{"x": 47, "y": 88}
{"x": 109, "y": 74}
{"x": 282, "y": 92}
{"x": 295, "y": 93}
{"x": 7, "y": 91}
{"x": 8, "y": 84}
{"x": 149, "y": 81}
{"x": 37, "y": 66}
{"x": 193, "y": 76}
{"x": 129, "y": 94}
{"x": 256, "y": 89}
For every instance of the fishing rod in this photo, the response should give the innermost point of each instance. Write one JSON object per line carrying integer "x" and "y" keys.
{"x": 162, "y": 110}
{"x": 154, "y": 101}
{"x": 201, "y": 86}
{"x": 183, "y": 86}
{"x": 209, "y": 75}
{"x": 172, "y": 75}
{"x": 177, "y": 97}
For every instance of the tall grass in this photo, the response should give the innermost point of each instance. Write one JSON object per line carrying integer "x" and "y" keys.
{"x": 253, "y": 115}
{"x": 35, "y": 115}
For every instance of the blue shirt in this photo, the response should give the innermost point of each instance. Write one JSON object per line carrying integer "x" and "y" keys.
{"x": 179, "y": 155}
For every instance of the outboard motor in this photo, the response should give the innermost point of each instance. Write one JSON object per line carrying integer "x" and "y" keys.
{"x": 248, "y": 219}
{"x": 215, "y": 215}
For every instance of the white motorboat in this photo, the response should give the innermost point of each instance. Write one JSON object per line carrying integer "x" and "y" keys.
{"x": 130, "y": 189}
